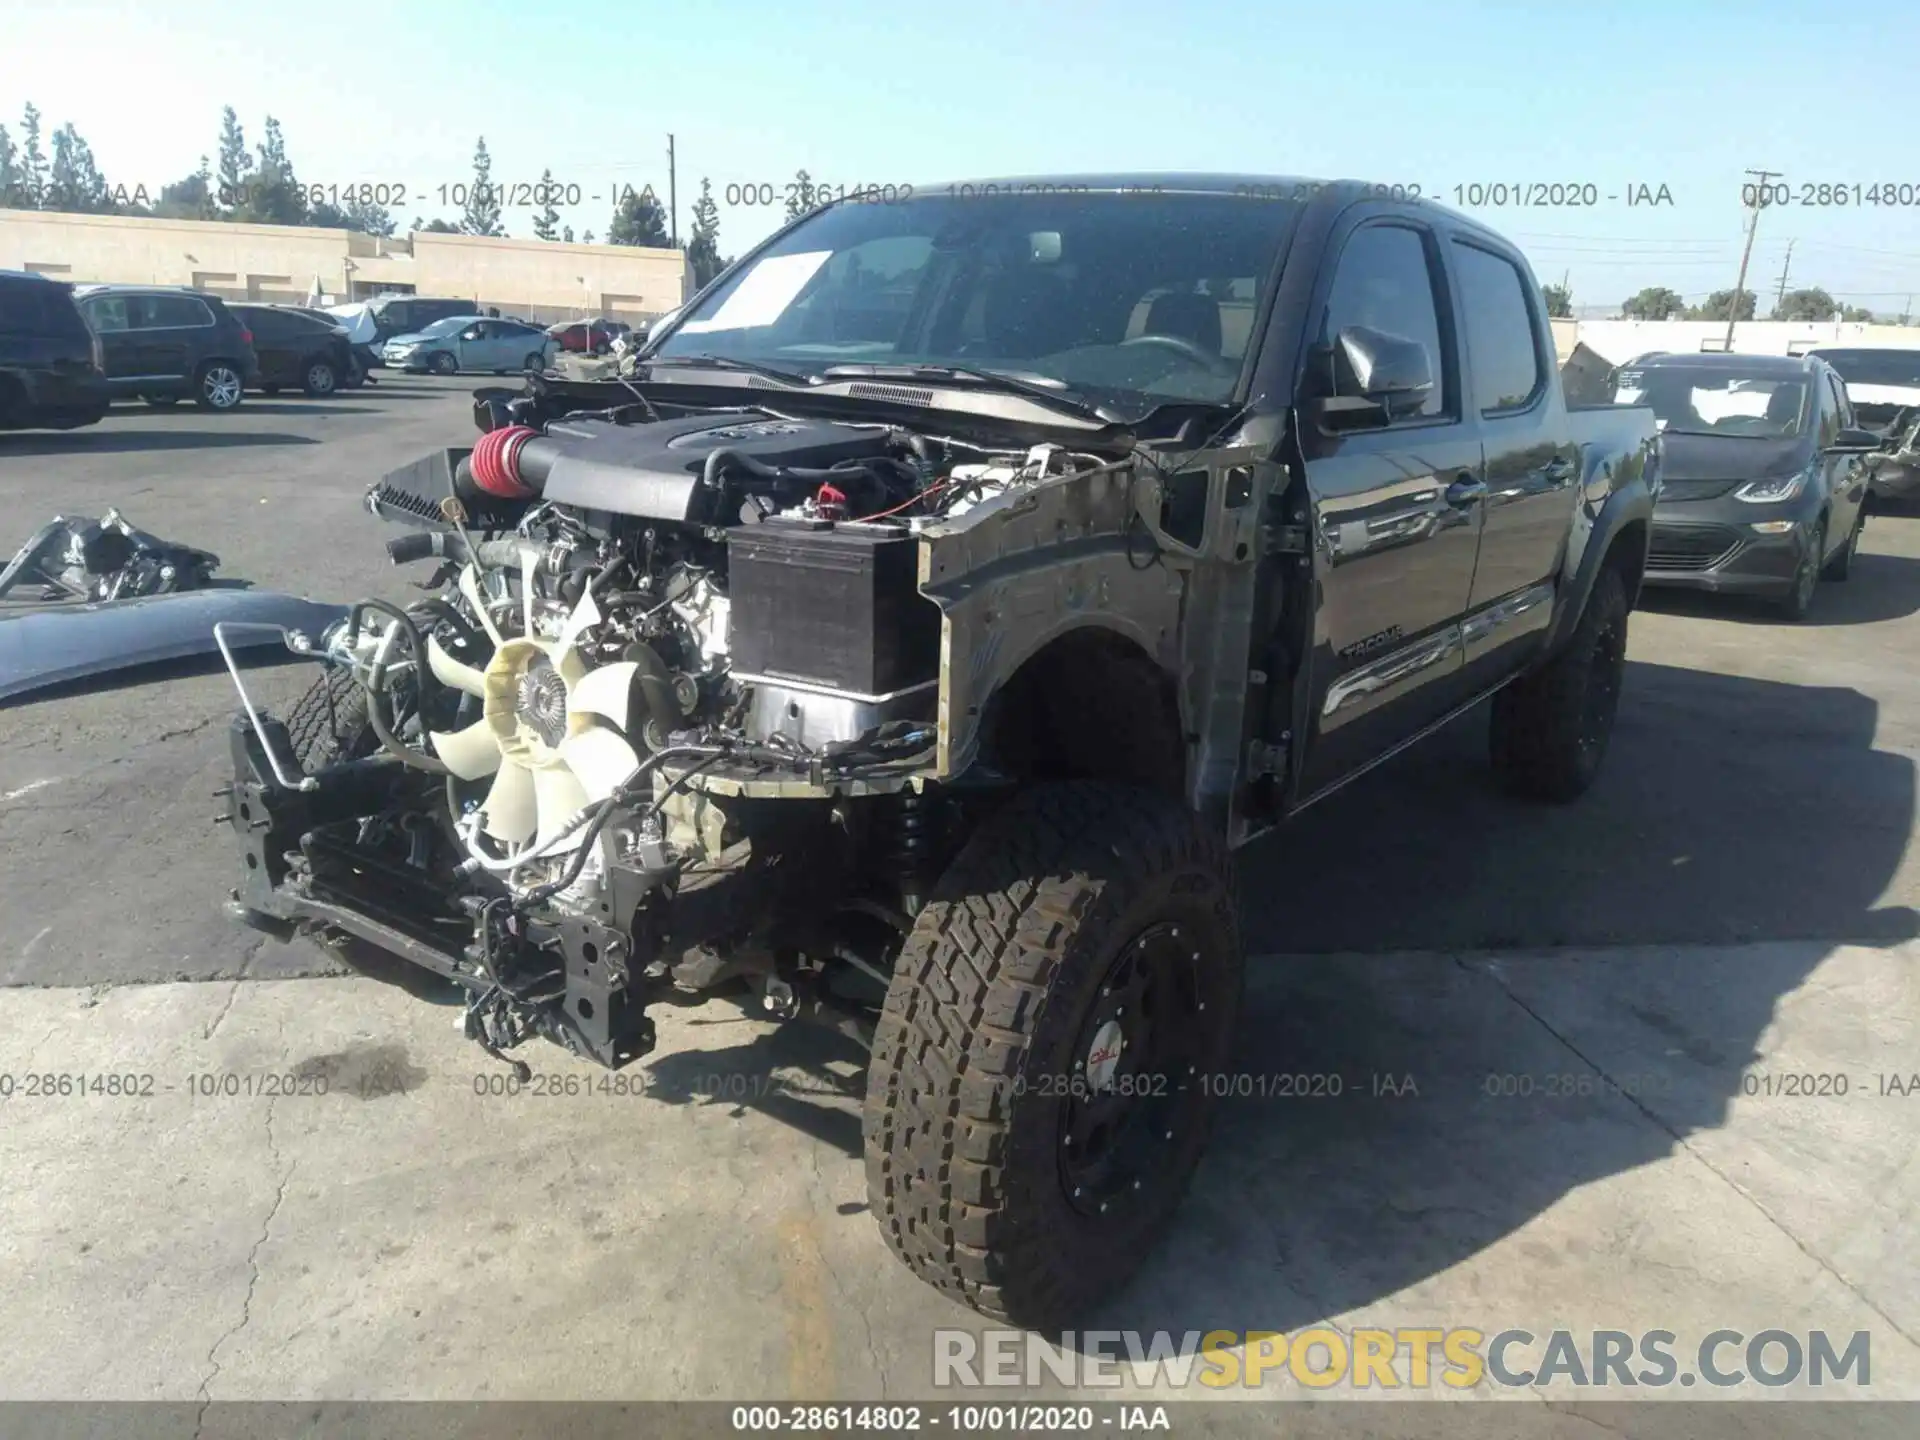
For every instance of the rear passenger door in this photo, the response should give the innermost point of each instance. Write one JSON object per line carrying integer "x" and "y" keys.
{"x": 111, "y": 318}
{"x": 1532, "y": 464}
{"x": 174, "y": 331}
{"x": 1396, "y": 502}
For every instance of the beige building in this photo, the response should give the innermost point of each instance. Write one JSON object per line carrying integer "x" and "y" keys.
{"x": 540, "y": 280}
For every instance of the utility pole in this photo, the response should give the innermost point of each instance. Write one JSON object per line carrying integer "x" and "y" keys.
{"x": 673, "y": 197}
{"x": 1761, "y": 177}
{"x": 1781, "y": 295}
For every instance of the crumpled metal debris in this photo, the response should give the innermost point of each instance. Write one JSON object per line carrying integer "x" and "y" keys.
{"x": 104, "y": 559}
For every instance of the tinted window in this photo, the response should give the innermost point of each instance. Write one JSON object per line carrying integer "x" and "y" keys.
{"x": 1124, "y": 297}
{"x": 108, "y": 313}
{"x": 1875, "y": 367}
{"x": 1710, "y": 400}
{"x": 268, "y": 323}
{"x": 36, "y": 307}
{"x": 1385, "y": 283}
{"x": 1836, "y": 412}
{"x": 1499, "y": 322}
{"x": 170, "y": 311}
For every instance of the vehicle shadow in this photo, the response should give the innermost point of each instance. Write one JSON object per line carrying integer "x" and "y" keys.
{"x": 1882, "y": 587}
{"x": 304, "y": 405}
{"x": 118, "y": 441}
{"x": 1730, "y": 810}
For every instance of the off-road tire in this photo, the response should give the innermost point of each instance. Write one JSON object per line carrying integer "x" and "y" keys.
{"x": 1005, "y": 962}
{"x": 329, "y": 723}
{"x": 1841, "y": 565}
{"x": 1550, "y": 728}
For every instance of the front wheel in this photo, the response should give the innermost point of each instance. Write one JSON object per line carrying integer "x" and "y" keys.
{"x": 441, "y": 363}
{"x": 1797, "y": 603}
{"x": 218, "y": 386}
{"x": 1841, "y": 566}
{"x": 534, "y": 363}
{"x": 1045, "y": 1067}
{"x": 321, "y": 379}
{"x": 1551, "y": 726}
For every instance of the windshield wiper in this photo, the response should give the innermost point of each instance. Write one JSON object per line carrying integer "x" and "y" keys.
{"x": 1056, "y": 393}
{"x": 727, "y": 362}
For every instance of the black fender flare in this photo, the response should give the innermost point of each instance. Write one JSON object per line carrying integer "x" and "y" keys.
{"x": 1591, "y": 543}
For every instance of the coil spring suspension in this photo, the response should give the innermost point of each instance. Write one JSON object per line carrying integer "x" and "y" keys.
{"x": 913, "y": 845}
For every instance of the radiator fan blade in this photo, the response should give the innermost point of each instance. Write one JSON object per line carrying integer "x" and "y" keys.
{"x": 468, "y": 753}
{"x": 529, "y": 563}
{"x": 600, "y": 759}
{"x": 558, "y": 797}
{"x": 452, "y": 673}
{"x": 604, "y": 692}
{"x": 510, "y": 806}
{"x": 470, "y": 587}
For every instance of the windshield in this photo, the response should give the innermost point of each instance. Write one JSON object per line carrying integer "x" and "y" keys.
{"x": 446, "y": 327}
{"x": 1127, "y": 299}
{"x": 1875, "y": 367}
{"x": 1692, "y": 400}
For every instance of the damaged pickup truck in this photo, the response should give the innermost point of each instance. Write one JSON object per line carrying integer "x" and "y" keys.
{"x": 910, "y": 640}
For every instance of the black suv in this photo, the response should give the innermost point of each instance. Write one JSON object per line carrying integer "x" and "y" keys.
{"x": 50, "y": 363}
{"x": 1765, "y": 473}
{"x": 410, "y": 314}
{"x": 296, "y": 350}
{"x": 164, "y": 344}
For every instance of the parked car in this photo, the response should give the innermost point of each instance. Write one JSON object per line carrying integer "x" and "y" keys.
{"x": 165, "y": 344}
{"x": 1181, "y": 512}
{"x": 1884, "y": 386}
{"x": 410, "y": 314}
{"x": 1765, "y": 476}
{"x": 472, "y": 342}
{"x": 52, "y": 371}
{"x": 588, "y": 337}
{"x": 296, "y": 350}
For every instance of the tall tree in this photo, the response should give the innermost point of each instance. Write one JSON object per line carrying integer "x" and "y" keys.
{"x": 13, "y": 190}
{"x": 1720, "y": 302}
{"x": 1809, "y": 304}
{"x": 639, "y": 219}
{"x": 189, "y": 199}
{"x": 546, "y": 220}
{"x": 33, "y": 160}
{"x": 369, "y": 218}
{"x": 74, "y": 182}
{"x": 1559, "y": 301}
{"x": 236, "y": 164}
{"x": 482, "y": 214}
{"x": 800, "y": 198}
{"x": 1656, "y": 302}
{"x": 275, "y": 197}
{"x": 703, "y": 241}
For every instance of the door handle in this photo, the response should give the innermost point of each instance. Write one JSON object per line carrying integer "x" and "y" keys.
{"x": 1465, "y": 491}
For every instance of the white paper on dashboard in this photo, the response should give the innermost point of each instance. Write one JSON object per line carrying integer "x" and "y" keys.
{"x": 763, "y": 294}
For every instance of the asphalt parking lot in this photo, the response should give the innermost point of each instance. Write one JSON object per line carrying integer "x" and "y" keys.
{"x": 1737, "y": 901}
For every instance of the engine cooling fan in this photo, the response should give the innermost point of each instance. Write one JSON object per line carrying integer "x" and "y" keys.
{"x": 551, "y": 732}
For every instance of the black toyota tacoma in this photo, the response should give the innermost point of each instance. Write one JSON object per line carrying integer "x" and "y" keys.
{"x": 909, "y": 639}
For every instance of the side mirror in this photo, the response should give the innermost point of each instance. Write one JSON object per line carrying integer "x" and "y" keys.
{"x": 1855, "y": 442}
{"x": 1376, "y": 377}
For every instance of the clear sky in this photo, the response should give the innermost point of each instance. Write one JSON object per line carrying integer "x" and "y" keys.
{"x": 1686, "y": 94}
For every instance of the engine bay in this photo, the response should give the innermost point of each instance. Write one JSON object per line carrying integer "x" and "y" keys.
{"x": 670, "y": 718}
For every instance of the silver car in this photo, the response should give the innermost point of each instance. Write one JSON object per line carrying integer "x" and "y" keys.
{"x": 471, "y": 342}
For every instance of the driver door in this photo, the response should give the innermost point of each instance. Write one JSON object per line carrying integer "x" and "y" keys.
{"x": 1397, "y": 506}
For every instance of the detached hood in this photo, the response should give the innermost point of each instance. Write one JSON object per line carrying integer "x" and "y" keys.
{"x": 356, "y": 320}
{"x": 1699, "y": 467}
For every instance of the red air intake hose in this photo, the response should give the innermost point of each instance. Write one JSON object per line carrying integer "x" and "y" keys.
{"x": 495, "y": 462}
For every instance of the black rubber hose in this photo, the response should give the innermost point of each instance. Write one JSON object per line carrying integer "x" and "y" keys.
{"x": 426, "y": 544}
